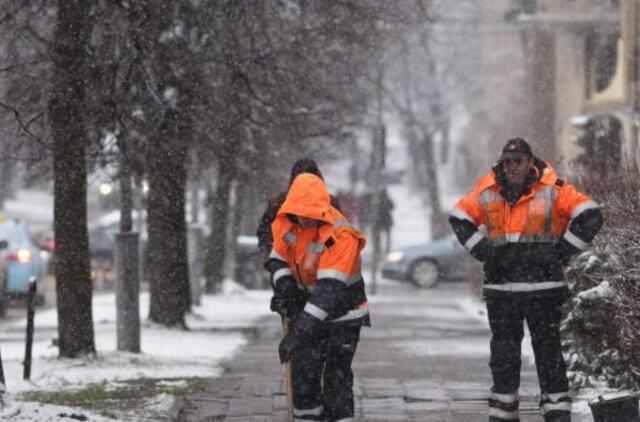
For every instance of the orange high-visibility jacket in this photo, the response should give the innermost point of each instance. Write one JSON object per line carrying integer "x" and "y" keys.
{"x": 523, "y": 246}
{"x": 324, "y": 260}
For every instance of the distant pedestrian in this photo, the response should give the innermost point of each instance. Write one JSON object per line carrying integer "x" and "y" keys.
{"x": 315, "y": 270}
{"x": 265, "y": 238}
{"x": 386, "y": 218}
{"x": 534, "y": 222}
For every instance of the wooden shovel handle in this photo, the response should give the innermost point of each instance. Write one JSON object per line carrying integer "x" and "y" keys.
{"x": 288, "y": 376}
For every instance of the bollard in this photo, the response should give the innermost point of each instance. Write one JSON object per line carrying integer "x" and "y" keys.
{"x": 2, "y": 385}
{"x": 31, "y": 310}
{"x": 127, "y": 292}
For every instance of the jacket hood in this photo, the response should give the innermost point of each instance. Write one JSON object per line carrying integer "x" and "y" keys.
{"x": 308, "y": 197}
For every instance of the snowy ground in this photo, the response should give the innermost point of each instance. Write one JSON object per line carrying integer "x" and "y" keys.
{"x": 169, "y": 357}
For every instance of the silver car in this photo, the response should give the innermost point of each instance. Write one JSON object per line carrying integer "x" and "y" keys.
{"x": 425, "y": 265}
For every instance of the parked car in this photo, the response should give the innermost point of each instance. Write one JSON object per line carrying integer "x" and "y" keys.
{"x": 22, "y": 258}
{"x": 427, "y": 264}
{"x": 249, "y": 270}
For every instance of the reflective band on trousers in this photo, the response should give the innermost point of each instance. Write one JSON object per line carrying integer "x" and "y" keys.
{"x": 503, "y": 414}
{"x": 503, "y": 398}
{"x": 345, "y": 420}
{"x": 554, "y": 397}
{"x": 526, "y": 287}
{"x": 562, "y": 406}
{"x": 316, "y": 411}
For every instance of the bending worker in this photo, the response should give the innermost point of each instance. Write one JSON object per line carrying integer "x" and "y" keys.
{"x": 264, "y": 235}
{"x": 315, "y": 270}
{"x": 534, "y": 222}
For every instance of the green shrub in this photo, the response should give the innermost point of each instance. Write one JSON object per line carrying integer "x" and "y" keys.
{"x": 602, "y": 327}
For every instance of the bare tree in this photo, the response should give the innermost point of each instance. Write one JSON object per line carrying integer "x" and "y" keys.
{"x": 66, "y": 113}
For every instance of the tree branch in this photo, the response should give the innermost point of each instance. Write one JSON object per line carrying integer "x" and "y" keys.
{"x": 25, "y": 126}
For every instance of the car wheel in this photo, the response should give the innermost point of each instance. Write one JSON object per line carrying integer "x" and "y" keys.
{"x": 425, "y": 274}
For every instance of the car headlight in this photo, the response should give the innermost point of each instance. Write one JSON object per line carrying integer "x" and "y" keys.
{"x": 395, "y": 256}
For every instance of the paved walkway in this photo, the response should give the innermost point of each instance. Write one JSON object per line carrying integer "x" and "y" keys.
{"x": 424, "y": 359}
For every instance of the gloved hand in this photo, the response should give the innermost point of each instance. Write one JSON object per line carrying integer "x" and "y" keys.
{"x": 565, "y": 251}
{"x": 303, "y": 333}
{"x": 288, "y": 344}
{"x": 288, "y": 306}
{"x": 287, "y": 299}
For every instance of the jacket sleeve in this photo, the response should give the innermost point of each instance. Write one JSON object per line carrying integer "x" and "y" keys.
{"x": 584, "y": 215}
{"x": 276, "y": 262}
{"x": 331, "y": 294}
{"x": 465, "y": 219}
{"x": 265, "y": 237}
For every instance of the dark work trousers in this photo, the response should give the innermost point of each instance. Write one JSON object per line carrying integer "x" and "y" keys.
{"x": 506, "y": 317}
{"x": 322, "y": 376}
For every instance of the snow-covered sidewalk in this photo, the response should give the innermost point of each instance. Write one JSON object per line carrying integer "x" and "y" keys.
{"x": 171, "y": 359}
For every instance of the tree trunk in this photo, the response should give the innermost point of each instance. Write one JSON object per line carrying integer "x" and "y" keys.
{"x": 239, "y": 214}
{"x": 167, "y": 247}
{"x": 216, "y": 251}
{"x": 66, "y": 108}
{"x": 433, "y": 192}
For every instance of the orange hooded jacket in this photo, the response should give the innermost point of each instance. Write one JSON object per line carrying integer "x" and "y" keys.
{"x": 324, "y": 259}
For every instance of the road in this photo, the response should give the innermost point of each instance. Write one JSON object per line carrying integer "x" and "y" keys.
{"x": 425, "y": 359}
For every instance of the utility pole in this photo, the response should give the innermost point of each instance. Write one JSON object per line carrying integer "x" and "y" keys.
{"x": 630, "y": 21}
{"x": 377, "y": 167}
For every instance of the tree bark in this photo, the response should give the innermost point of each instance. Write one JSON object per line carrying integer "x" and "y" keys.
{"x": 167, "y": 229}
{"x": 433, "y": 191}
{"x": 66, "y": 113}
{"x": 216, "y": 250}
{"x": 239, "y": 215}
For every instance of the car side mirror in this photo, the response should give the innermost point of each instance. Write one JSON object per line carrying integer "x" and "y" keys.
{"x": 4, "y": 244}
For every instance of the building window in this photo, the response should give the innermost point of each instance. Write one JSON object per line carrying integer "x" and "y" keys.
{"x": 601, "y": 145}
{"x": 602, "y": 58}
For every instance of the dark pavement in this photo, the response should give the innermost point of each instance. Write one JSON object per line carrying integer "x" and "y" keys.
{"x": 424, "y": 359}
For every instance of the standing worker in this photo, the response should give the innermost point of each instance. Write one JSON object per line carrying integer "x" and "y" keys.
{"x": 534, "y": 222}
{"x": 265, "y": 238}
{"x": 315, "y": 271}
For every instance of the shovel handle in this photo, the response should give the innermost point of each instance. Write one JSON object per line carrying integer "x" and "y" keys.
{"x": 288, "y": 376}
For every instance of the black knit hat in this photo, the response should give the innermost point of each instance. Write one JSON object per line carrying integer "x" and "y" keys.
{"x": 304, "y": 165}
{"x": 515, "y": 147}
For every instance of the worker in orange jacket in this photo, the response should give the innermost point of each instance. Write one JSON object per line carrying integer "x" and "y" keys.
{"x": 524, "y": 222}
{"x": 315, "y": 270}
